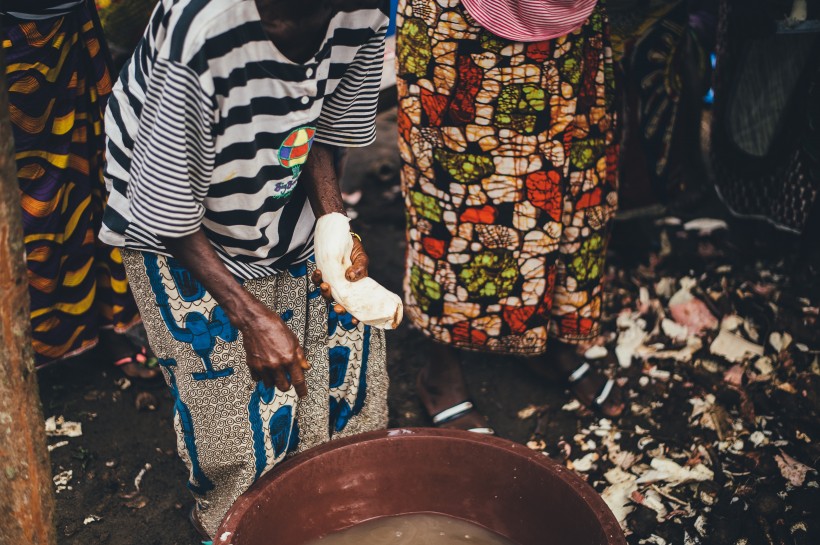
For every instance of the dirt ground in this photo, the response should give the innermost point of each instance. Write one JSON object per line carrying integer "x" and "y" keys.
{"x": 102, "y": 504}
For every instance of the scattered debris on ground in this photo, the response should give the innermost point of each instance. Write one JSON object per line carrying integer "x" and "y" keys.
{"x": 62, "y": 479}
{"x": 58, "y": 426}
{"x": 719, "y": 357}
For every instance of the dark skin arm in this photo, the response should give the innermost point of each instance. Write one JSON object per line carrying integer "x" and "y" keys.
{"x": 325, "y": 196}
{"x": 270, "y": 346}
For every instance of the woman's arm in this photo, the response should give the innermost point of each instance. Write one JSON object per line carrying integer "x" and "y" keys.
{"x": 325, "y": 196}
{"x": 321, "y": 181}
{"x": 270, "y": 346}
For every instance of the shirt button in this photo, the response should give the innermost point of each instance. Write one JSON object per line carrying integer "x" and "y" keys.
{"x": 305, "y": 100}
{"x": 309, "y": 72}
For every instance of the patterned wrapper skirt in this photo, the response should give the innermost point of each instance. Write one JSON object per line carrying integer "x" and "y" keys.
{"x": 58, "y": 82}
{"x": 230, "y": 429}
{"x": 509, "y": 178}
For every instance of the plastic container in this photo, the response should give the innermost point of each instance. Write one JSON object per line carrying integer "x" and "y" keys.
{"x": 501, "y": 485}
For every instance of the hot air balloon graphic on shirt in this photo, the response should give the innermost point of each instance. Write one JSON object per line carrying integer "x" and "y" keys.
{"x": 294, "y": 150}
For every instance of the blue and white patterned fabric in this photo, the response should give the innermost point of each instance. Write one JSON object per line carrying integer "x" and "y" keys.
{"x": 230, "y": 429}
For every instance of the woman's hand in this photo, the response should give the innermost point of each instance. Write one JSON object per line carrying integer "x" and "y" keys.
{"x": 357, "y": 270}
{"x": 274, "y": 354}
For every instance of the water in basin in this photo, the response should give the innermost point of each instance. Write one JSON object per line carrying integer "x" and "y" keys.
{"x": 414, "y": 529}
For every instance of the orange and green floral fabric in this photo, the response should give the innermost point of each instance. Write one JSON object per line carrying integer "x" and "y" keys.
{"x": 509, "y": 177}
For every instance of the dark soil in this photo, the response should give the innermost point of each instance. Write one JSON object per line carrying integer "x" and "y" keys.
{"x": 751, "y": 504}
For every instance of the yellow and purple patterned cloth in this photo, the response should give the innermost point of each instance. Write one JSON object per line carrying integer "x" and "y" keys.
{"x": 58, "y": 81}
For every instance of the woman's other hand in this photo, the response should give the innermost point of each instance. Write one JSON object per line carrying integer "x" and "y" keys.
{"x": 274, "y": 354}
{"x": 357, "y": 270}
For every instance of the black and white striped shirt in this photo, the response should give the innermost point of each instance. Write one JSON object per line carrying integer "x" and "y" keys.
{"x": 209, "y": 126}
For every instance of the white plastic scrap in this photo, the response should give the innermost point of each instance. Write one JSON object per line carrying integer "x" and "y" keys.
{"x": 701, "y": 408}
{"x": 671, "y": 221}
{"x": 653, "y": 540}
{"x": 60, "y": 427}
{"x": 659, "y": 374}
{"x": 733, "y": 347}
{"x": 527, "y": 412}
{"x": 573, "y": 405}
{"x": 539, "y": 445}
{"x": 631, "y": 337}
{"x": 617, "y": 475}
{"x": 701, "y": 525}
{"x": 669, "y": 472}
{"x": 596, "y": 352}
{"x": 705, "y": 226}
{"x": 685, "y": 354}
{"x": 674, "y": 330}
{"x": 764, "y": 366}
{"x": 140, "y": 475}
{"x": 91, "y": 518}
{"x": 652, "y": 499}
{"x": 62, "y": 479}
{"x": 665, "y": 287}
{"x": 732, "y": 322}
{"x": 57, "y": 445}
{"x": 585, "y": 464}
{"x": 758, "y": 439}
{"x": 780, "y": 341}
{"x": 688, "y": 310}
{"x": 618, "y": 498}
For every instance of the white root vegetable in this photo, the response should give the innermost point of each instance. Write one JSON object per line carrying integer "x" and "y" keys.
{"x": 366, "y": 299}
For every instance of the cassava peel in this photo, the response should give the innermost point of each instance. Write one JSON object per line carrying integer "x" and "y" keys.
{"x": 366, "y": 299}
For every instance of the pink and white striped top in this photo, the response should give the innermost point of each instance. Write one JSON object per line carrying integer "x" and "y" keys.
{"x": 530, "y": 20}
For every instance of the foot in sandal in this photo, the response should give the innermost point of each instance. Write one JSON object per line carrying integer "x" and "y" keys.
{"x": 444, "y": 394}
{"x": 131, "y": 359}
{"x": 581, "y": 368}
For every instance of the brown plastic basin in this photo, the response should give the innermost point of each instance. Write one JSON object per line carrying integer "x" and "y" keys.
{"x": 500, "y": 485}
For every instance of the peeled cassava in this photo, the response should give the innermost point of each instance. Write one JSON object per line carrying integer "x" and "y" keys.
{"x": 366, "y": 299}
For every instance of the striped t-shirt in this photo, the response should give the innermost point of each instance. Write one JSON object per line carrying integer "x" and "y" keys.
{"x": 210, "y": 125}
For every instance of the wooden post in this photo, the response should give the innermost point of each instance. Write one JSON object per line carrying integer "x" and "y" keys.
{"x": 26, "y": 497}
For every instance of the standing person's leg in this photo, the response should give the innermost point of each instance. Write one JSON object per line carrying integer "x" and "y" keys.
{"x": 588, "y": 209}
{"x": 54, "y": 193}
{"x": 429, "y": 277}
{"x": 115, "y": 308}
{"x": 357, "y": 376}
{"x": 58, "y": 81}
{"x": 443, "y": 391}
{"x": 118, "y": 312}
